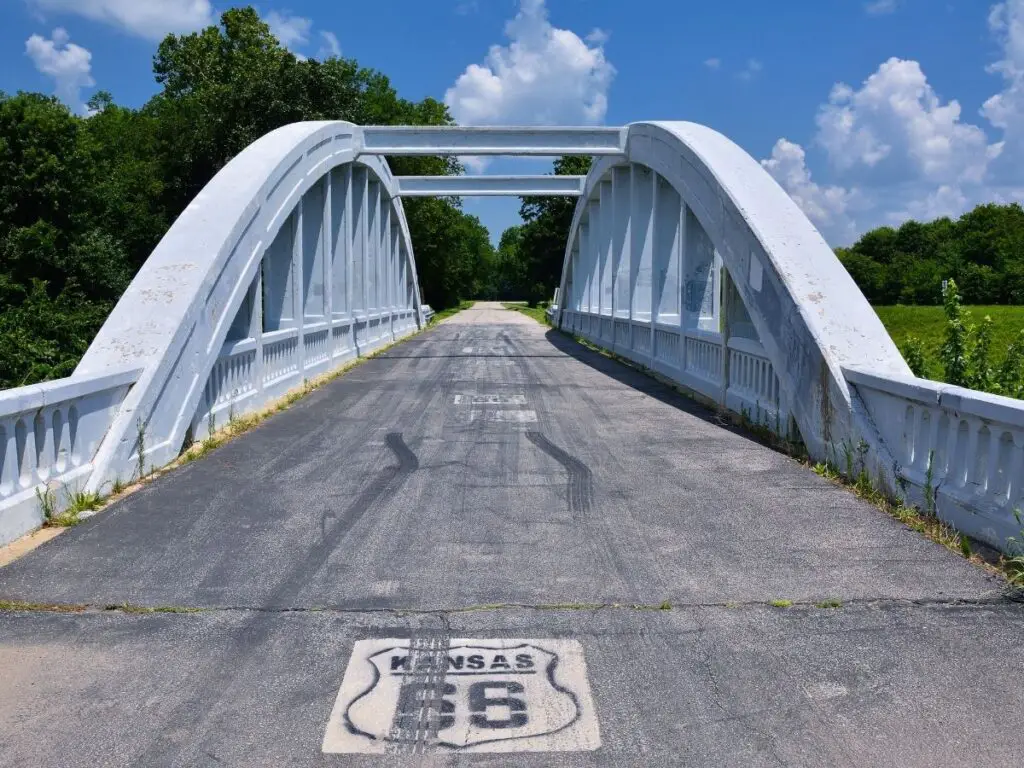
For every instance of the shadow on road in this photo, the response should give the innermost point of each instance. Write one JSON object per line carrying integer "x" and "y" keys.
{"x": 640, "y": 381}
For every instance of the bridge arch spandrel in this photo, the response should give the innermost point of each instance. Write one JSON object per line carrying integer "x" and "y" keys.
{"x": 810, "y": 317}
{"x": 180, "y": 318}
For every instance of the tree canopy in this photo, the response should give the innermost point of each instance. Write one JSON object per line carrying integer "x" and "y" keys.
{"x": 530, "y": 256}
{"x": 983, "y": 251}
{"x": 84, "y": 200}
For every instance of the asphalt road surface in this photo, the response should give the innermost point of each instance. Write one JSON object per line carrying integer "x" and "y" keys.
{"x": 464, "y": 552}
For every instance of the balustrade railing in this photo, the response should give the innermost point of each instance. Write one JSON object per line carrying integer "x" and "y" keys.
{"x": 959, "y": 452}
{"x": 238, "y": 383}
{"x": 753, "y": 386}
{"x": 49, "y": 434}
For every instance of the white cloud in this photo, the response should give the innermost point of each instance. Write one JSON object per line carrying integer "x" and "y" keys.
{"x": 545, "y": 75}
{"x": 751, "y": 70}
{"x": 903, "y": 152}
{"x": 330, "y": 47}
{"x": 713, "y": 63}
{"x": 896, "y": 123}
{"x": 1005, "y": 110}
{"x": 828, "y": 207}
{"x": 881, "y": 7}
{"x": 292, "y": 31}
{"x": 152, "y": 19}
{"x": 68, "y": 64}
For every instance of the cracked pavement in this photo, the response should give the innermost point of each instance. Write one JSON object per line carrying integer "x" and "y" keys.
{"x": 493, "y": 479}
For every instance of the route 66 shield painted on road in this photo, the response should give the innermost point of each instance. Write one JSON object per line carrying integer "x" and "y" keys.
{"x": 463, "y": 695}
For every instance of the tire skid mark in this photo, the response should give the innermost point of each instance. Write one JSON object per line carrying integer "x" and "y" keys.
{"x": 407, "y": 464}
{"x": 580, "y": 478}
{"x": 412, "y": 733}
{"x": 191, "y": 714}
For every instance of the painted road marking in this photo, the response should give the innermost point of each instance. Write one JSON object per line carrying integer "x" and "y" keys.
{"x": 490, "y": 399}
{"x": 464, "y": 696}
{"x": 509, "y": 417}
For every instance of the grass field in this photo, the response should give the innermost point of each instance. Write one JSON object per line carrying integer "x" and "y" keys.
{"x": 537, "y": 313}
{"x": 929, "y": 325}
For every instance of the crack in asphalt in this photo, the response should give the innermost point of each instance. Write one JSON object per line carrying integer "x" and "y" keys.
{"x": 16, "y": 606}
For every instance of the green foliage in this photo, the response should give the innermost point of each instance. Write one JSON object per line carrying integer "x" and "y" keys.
{"x": 537, "y": 312}
{"x": 983, "y": 251}
{"x": 954, "y": 348}
{"x": 451, "y": 250}
{"x": 988, "y": 356}
{"x": 980, "y": 373}
{"x": 913, "y": 352}
{"x": 530, "y": 257}
{"x": 1010, "y": 377}
{"x": 83, "y": 202}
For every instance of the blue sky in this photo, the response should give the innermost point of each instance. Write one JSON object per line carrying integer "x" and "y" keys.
{"x": 867, "y": 111}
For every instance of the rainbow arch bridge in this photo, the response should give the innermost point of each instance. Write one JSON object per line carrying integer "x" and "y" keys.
{"x": 490, "y": 480}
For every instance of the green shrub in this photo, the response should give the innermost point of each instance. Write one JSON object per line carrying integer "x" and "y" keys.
{"x": 913, "y": 352}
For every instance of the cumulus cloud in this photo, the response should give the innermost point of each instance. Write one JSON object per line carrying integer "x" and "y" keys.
{"x": 293, "y": 31}
{"x": 897, "y": 120}
{"x": 544, "y": 75}
{"x": 713, "y": 63}
{"x": 897, "y": 150}
{"x": 151, "y": 19}
{"x": 829, "y": 207}
{"x": 1005, "y": 110}
{"x": 68, "y": 64}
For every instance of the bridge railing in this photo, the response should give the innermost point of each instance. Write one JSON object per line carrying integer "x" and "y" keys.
{"x": 959, "y": 452}
{"x": 733, "y": 371}
{"x": 49, "y": 434}
{"x": 253, "y": 371}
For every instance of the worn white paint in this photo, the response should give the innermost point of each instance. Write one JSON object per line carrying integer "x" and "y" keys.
{"x": 463, "y": 695}
{"x": 174, "y": 320}
{"x": 489, "y": 140}
{"x": 504, "y": 416}
{"x": 486, "y": 186}
{"x": 493, "y": 399}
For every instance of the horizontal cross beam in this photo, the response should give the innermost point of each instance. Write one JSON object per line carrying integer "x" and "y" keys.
{"x": 460, "y": 140}
{"x": 485, "y": 186}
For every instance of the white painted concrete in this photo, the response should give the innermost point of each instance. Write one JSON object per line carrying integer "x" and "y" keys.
{"x": 267, "y": 208}
{"x": 49, "y": 435}
{"x": 955, "y": 450}
{"x": 489, "y": 186}
{"x": 489, "y": 140}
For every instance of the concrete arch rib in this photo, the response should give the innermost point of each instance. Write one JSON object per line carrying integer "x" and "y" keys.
{"x": 811, "y": 318}
{"x": 175, "y": 316}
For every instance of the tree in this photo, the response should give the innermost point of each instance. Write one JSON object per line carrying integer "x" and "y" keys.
{"x": 983, "y": 251}
{"x": 545, "y": 232}
{"x": 83, "y": 201}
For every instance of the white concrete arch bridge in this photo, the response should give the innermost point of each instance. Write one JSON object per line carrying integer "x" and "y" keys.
{"x": 490, "y": 466}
